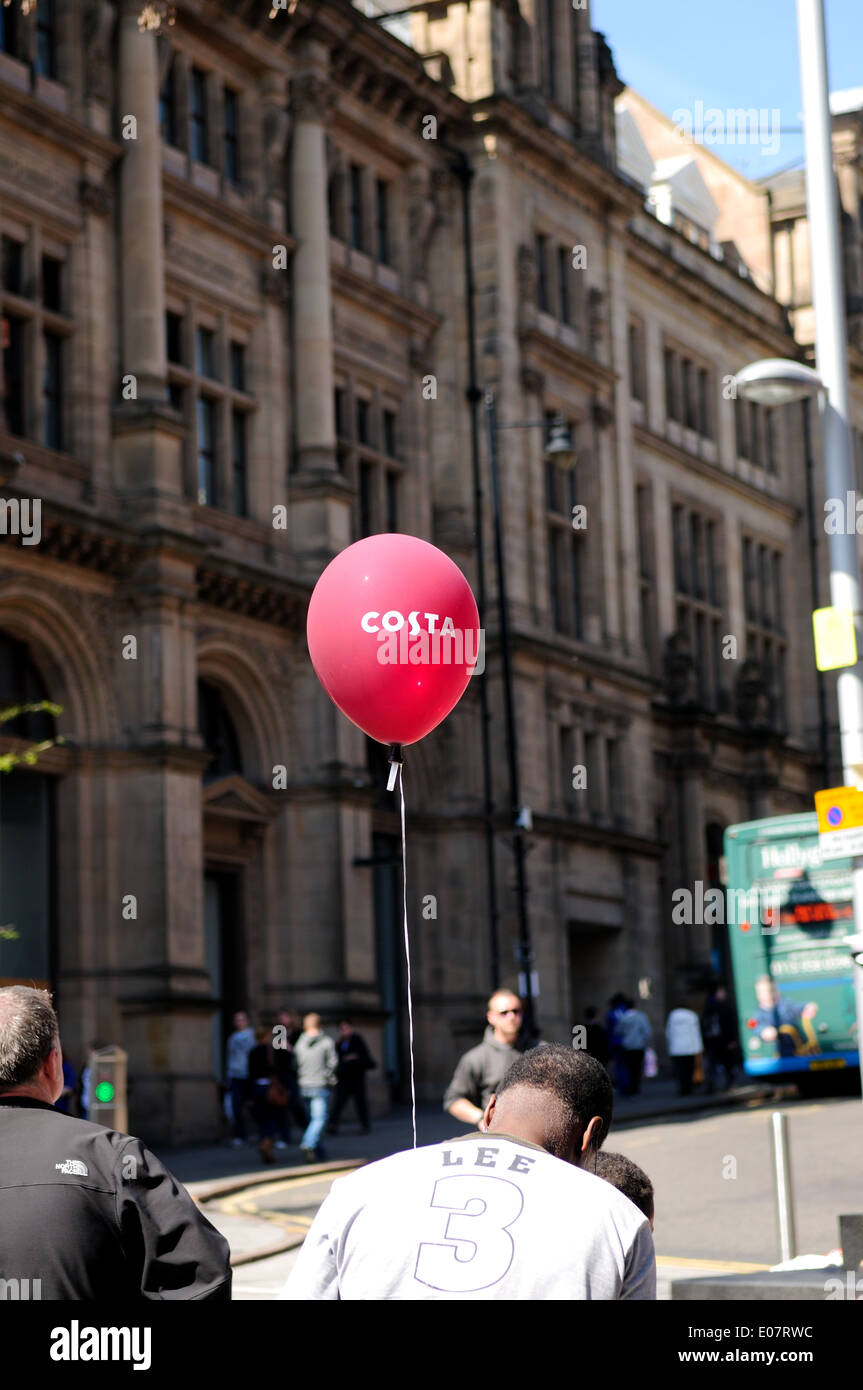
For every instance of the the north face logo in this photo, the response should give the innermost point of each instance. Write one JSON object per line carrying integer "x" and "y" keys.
{"x": 73, "y": 1167}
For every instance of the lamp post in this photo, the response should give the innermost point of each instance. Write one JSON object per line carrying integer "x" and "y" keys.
{"x": 776, "y": 381}
{"x": 561, "y": 452}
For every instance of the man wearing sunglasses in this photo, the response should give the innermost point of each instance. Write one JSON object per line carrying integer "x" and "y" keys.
{"x": 481, "y": 1070}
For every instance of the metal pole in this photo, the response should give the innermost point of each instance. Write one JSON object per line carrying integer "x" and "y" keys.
{"x": 784, "y": 1195}
{"x": 831, "y": 355}
{"x": 525, "y": 951}
{"x": 820, "y": 683}
{"x": 464, "y": 173}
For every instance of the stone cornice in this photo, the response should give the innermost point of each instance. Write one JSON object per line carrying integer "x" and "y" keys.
{"x": 79, "y": 141}
{"x": 555, "y": 356}
{"x": 404, "y": 314}
{"x": 657, "y": 444}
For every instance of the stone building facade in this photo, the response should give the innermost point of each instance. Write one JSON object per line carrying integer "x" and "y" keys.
{"x": 236, "y": 338}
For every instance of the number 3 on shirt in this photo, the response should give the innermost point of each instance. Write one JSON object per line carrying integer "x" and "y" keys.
{"x": 476, "y": 1249}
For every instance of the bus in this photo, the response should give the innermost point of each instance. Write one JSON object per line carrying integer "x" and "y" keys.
{"x": 787, "y": 912}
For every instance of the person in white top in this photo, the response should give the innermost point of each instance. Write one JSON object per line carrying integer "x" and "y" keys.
{"x": 509, "y": 1212}
{"x": 683, "y": 1034}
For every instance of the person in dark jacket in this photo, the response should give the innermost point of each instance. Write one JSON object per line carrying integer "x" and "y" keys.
{"x": 480, "y": 1071}
{"x": 596, "y": 1042}
{"x": 261, "y": 1074}
{"x": 354, "y": 1061}
{"x": 719, "y": 1031}
{"x": 88, "y": 1212}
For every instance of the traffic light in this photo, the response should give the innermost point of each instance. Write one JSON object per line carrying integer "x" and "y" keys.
{"x": 108, "y": 1089}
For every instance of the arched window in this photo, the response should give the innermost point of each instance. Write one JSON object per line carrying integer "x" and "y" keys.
{"x": 21, "y": 684}
{"x": 217, "y": 730}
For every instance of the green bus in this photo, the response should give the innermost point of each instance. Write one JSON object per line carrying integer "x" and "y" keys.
{"x": 787, "y": 912}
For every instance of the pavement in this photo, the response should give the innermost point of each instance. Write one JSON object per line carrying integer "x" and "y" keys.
{"x": 225, "y": 1180}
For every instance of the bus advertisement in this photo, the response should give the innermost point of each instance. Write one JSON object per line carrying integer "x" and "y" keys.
{"x": 788, "y": 911}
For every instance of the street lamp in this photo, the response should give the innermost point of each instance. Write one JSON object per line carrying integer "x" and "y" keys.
{"x": 775, "y": 381}
{"x": 560, "y": 451}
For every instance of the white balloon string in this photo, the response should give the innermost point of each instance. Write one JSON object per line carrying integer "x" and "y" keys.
{"x": 407, "y": 952}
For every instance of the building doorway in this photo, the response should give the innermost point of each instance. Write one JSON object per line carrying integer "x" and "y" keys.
{"x": 224, "y": 957}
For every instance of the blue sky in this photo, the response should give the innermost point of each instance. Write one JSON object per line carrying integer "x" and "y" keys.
{"x": 742, "y": 53}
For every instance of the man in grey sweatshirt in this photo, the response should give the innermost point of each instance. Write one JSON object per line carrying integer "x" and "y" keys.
{"x": 481, "y": 1069}
{"x": 316, "y": 1058}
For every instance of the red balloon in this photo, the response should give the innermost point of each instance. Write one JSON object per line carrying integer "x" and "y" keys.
{"x": 393, "y": 633}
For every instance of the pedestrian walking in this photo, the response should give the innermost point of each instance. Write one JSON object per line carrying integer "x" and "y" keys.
{"x": 509, "y": 1212}
{"x": 87, "y": 1214}
{"x": 354, "y": 1061}
{"x": 316, "y": 1073}
{"x": 684, "y": 1045}
{"x": 635, "y": 1033}
{"x": 261, "y": 1079}
{"x": 286, "y": 1035}
{"x": 616, "y": 1010}
{"x": 240, "y": 1044}
{"x": 481, "y": 1069}
{"x": 719, "y": 1032}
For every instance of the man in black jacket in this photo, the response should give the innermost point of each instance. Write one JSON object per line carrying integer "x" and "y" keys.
{"x": 90, "y": 1213}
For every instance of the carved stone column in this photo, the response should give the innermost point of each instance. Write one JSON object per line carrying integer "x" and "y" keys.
{"x": 312, "y": 300}
{"x": 141, "y": 255}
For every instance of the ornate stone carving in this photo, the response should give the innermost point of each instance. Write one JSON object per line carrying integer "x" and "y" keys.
{"x": 532, "y": 381}
{"x": 678, "y": 667}
{"x": 95, "y": 197}
{"x": 751, "y": 696}
{"x": 597, "y": 320}
{"x": 424, "y": 217}
{"x": 526, "y": 270}
{"x": 274, "y": 284}
{"x": 276, "y": 130}
{"x": 98, "y": 27}
{"x": 312, "y": 98}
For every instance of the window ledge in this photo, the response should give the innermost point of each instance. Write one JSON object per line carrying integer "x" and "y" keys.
{"x": 53, "y": 93}
{"x": 13, "y": 71}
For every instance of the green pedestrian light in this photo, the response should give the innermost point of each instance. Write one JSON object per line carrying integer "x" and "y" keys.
{"x": 105, "y": 1092}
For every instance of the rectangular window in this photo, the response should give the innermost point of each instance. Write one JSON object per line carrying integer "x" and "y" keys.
{"x": 548, "y": 48}
{"x": 754, "y": 433}
{"x": 363, "y": 421}
{"x": 680, "y": 575}
{"x": 230, "y": 135}
{"x": 390, "y": 448}
{"x": 616, "y": 789}
{"x": 13, "y": 263}
{"x": 340, "y": 410}
{"x": 542, "y": 274}
{"x": 690, "y": 407}
{"x": 205, "y": 340}
{"x": 563, "y": 256}
{"x": 13, "y": 381}
{"x": 206, "y": 452}
{"x": 749, "y": 579}
{"x": 366, "y": 480}
{"x": 198, "y": 116}
{"x": 168, "y": 107}
{"x": 177, "y": 396}
{"x": 636, "y": 362}
{"x": 593, "y": 767}
{"x": 642, "y": 512}
{"x": 670, "y": 363}
{"x": 238, "y": 367}
{"x": 356, "y": 207}
{"x": 52, "y": 392}
{"x": 391, "y": 482}
{"x": 46, "y": 43}
{"x": 238, "y": 462}
{"x": 566, "y": 754}
{"x": 52, "y": 284}
{"x": 383, "y": 221}
{"x": 705, "y": 426}
{"x": 770, "y": 441}
{"x": 741, "y": 424}
{"x": 174, "y": 337}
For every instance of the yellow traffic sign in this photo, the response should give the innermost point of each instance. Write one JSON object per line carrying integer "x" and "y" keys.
{"x": 840, "y": 822}
{"x": 835, "y": 640}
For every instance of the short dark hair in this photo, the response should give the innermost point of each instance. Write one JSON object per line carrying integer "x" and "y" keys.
{"x": 28, "y": 1032}
{"x": 628, "y": 1178}
{"x": 580, "y": 1084}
